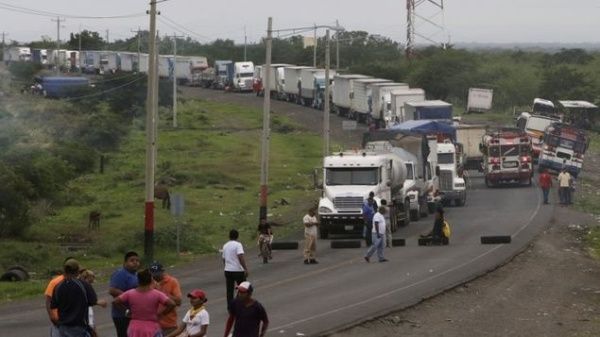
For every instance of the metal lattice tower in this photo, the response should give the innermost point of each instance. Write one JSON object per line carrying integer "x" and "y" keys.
{"x": 434, "y": 19}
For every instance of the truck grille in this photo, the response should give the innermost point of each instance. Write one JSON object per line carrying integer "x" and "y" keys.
{"x": 446, "y": 180}
{"x": 346, "y": 203}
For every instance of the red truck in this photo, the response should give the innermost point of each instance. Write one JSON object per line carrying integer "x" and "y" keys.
{"x": 507, "y": 157}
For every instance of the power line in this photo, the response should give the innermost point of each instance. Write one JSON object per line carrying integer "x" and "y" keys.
{"x": 25, "y": 10}
{"x": 189, "y": 31}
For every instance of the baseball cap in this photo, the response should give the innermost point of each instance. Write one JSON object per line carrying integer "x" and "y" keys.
{"x": 156, "y": 268}
{"x": 245, "y": 287}
{"x": 197, "y": 293}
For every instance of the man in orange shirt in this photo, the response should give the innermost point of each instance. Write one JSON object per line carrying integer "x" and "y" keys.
{"x": 170, "y": 287}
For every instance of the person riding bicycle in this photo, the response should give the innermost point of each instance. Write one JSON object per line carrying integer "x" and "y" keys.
{"x": 265, "y": 237}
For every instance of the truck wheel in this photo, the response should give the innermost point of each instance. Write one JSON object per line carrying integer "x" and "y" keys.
{"x": 323, "y": 234}
{"x": 393, "y": 219}
{"x": 488, "y": 183}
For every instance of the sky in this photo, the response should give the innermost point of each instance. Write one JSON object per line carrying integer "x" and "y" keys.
{"x": 482, "y": 21}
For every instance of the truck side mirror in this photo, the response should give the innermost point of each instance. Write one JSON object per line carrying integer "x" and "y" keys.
{"x": 317, "y": 183}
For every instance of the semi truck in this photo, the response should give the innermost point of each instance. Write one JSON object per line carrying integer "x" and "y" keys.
{"x": 17, "y": 54}
{"x": 434, "y": 110}
{"x": 507, "y": 157}
{"x": 243, "y": 76}
{"x": 381, "y": 99}
{"x": 348, "y": 178}
{"x": 564, "y": 146}
{"x": 469, "y": 136}
{"x": 361, "y": 102}
{"x": 535, "y": 125}
{"x": 223, "y": 74}
{"x": 343, "y": 92}
{"x": 293, "y": 82}
{"x": 310, "y": 79}
{"x": 398, "y": 98}
{"x": 452, "y": 181}
{"x": 62, "y": 86}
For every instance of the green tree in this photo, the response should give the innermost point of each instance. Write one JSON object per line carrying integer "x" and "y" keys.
{"x": 14, "y": 205}
{"x": 89, "y": 41}
{"x": 565, "y": 82}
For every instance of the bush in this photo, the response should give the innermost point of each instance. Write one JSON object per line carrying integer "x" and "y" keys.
{"x": 24, "y": 71}
{"x": 80, "y": 156}
{"x": 14, "y": 203}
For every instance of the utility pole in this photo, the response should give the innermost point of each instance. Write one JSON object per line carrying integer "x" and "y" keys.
{"x": 139, "y": 45}
{"x": 56, "y": 59}
{"x": 245, "y": 43}
{"x": 326, "y": 116}
{"x": 80, "y": 65}
{"x": 315, "y": 48}
{"x": 175, "y": 79}
{"x": 337, "y": 46}
{"x": 150, "y": 139}
{"x": 107, "y": 39}
{"x": 264, "y": 162}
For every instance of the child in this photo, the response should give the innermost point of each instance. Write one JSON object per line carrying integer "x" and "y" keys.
{"x": 196, "y": 320}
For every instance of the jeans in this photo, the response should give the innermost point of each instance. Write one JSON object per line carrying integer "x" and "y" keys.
{"x": 545, "y": 192}
{"x": 121, "y": 324}
{"x": 378, "y": 245}
{"x": 367, "y": 231}
{"x": 73, "y": 331}
{"x": 231, "y": 279}
{"x": 565, "y": 195}
{"x": 54, "y": 331}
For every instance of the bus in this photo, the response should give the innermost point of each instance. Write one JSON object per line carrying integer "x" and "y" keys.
{"x": 563, "y": 147}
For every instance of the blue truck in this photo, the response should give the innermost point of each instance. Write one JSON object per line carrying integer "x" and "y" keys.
{"x": 432, "y": 110}
{"x": 61, "y": 86}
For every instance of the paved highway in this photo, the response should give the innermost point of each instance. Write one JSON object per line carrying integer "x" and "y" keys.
{"x": 343, "y": 289}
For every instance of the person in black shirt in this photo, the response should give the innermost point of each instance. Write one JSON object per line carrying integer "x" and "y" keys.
{"x": 72, "y": 297}
{"x": 246, "y": 314}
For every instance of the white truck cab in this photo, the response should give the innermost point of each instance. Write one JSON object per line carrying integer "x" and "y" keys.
{"x": 243, "y": 76}
{"x": 452, "y": 184}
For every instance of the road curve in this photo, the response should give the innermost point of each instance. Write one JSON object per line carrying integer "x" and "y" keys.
{"x": 343, "y": 289}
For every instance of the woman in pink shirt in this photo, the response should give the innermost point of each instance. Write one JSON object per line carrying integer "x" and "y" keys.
{"x": 143, "y": 303}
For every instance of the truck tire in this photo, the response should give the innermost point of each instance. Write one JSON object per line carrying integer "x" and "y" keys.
{"x": 405, "y": 210}
{"x": 281, "y": 245}
{"x": 323, "y": 234}
{"x": 14, "y": 275}
{"x": 393, "y": 219}
{"x": 488, "y": 183}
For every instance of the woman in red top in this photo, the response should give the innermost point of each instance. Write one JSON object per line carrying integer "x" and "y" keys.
{"x": 545, "y": 182}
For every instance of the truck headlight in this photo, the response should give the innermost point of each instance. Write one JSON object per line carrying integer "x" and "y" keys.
{"x": 324, "y": 210}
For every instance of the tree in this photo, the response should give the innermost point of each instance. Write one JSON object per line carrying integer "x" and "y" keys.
{"x": 89, "y": 41}
{"x": 46, "y": 43}
{"x": 14, "y": 206}
{"x": 564, "y": 82}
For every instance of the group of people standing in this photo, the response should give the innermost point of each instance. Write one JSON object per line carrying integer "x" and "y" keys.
{"x": 566, "y": 186}
{"x": 145, "y": 301}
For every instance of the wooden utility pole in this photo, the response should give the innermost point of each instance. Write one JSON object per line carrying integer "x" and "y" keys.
{"x": 315, "y": 47}
{"x": 57, "y": 58}
{"x": 264, "y": 162}
{"x": 326, "y": 130}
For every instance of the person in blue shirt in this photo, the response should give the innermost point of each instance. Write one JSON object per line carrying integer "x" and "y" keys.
{"x": 123, "y": 279}
{"x": 368, "y": 211}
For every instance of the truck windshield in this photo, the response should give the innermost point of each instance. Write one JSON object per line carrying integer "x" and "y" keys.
{"x": 352, "y": 176}
{"x": 409, "y": 172}
{"x": 247, "y": 75}
{"x": 576, "y": 146}
{"x": 538, "y": 124}
{"x": 445, "y": 158}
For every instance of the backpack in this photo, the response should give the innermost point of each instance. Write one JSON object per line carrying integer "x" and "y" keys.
{"x": 446, "y": 229}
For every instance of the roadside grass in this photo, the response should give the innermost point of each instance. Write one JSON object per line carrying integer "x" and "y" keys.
{"x": 212, "y": 159}
{"x": 587, "y": 197}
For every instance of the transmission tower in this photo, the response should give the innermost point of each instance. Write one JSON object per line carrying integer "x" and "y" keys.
{"x": 424, "y": 19}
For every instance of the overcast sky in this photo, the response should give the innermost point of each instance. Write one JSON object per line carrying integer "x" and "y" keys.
{"x": 500, "y": 21}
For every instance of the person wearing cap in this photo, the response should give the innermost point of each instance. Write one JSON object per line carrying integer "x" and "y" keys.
{"x": 121, "y": 280}
{"x": 246, "y": 314}
{"x": 378, "y": 236}
{"x": 144, "y": 302}
{"x": 53, "y": 313}
{"x": 72, "y": 297}
{"x": 169, "y": 286}
{"x": 196, "y": 320}
{"x": 236, "y": 270}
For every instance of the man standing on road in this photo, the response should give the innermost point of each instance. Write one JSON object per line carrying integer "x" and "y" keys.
{"x": 310, "y": 236}
{"x": 53, "y": 313}
{"x": 247, "y": 314}
{"x": 236, "y": 270}
{"x": 169, "y": 286}
{"x": 123, "y": 279}
{"x": 368, "y": 210}
{"x": 388, "y": 225}
{"x": 73, "y": 297}
{"x": 564, "y": 186}
{"x": 378, "y": 235}
{"x": 545, "y": 182}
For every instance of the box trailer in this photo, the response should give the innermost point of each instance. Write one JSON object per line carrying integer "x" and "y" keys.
{"x": 381, "y": 105}
{"x": 343, "y": 92}
{"x": 470, "y": 136}
{"x": 360, "y": 104}
{"x": 310, "y": 79}
{"x": 479, "y": 100}
{"x": 436, "y": 110}
{"x": 399, "y": 97}
{"x": 293, "y": 82}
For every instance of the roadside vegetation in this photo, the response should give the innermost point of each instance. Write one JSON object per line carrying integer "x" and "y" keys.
{"x": 50, "y": 150}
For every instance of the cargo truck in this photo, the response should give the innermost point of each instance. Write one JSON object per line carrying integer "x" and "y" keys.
{"x": 223, "y": 74}
{"x": 343, "y": 92}
{"x": 311, "y": 81}
{"x": 479, "y": 100}
{"x": 433, "y": 110}
{"x": 398, "y": 98}
{"x": 470, "y": 137}
{"x": 62, "y": 86}
{"x": 382, "y": 102}
{"x": 293, "y": 83}
{"x": 361, "y": 102}
{"x": 507, "y": 157}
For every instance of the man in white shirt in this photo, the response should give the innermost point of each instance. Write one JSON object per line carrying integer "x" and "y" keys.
{"x": 236, "y": 271}
{"x": 378, "y": 234}
{"x": 564, "y": 187}
{"x": 310, "y": 237}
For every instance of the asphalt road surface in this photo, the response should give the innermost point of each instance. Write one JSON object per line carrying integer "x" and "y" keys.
{"x": 343, "y": 289}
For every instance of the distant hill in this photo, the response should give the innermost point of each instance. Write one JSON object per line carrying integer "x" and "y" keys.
{"x": 542, "y": 47}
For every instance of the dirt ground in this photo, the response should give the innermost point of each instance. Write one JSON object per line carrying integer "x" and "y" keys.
{"x": 550, "y": 289}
